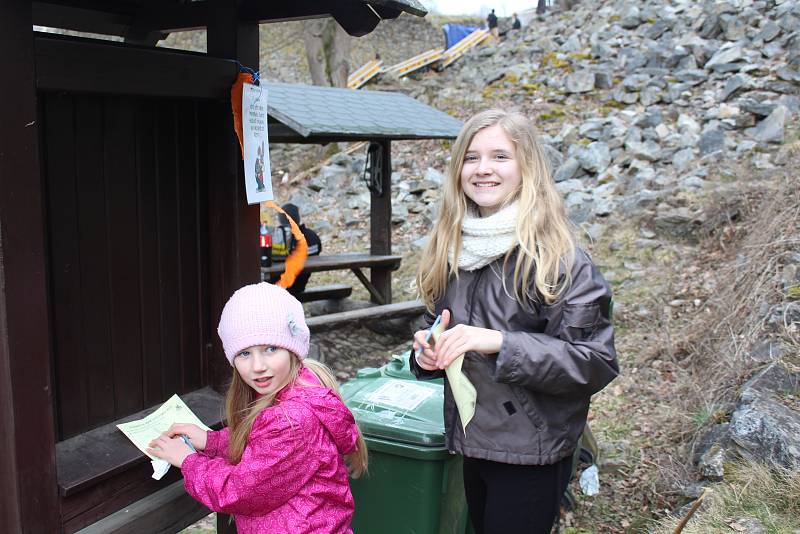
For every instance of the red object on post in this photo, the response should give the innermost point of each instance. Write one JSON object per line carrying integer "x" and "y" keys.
{"x": 265, "y": 242}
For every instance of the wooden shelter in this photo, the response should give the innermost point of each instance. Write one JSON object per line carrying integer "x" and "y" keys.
{"x": 313, "y": 114}
{"x": 123, "y": 230}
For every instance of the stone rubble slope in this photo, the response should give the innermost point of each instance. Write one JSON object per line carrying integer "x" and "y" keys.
{"x": 637, "y": 101}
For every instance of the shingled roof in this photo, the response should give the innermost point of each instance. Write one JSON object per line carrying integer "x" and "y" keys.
{"x": 313, "y": 114}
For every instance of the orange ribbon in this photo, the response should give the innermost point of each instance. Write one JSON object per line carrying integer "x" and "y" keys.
{"x": 297, "y": 259}
{"x": 236, "y": 105}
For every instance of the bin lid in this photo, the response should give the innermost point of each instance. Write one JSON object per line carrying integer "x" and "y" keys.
{"x": 399, "y": 367}
{"x": 397, "y": 409}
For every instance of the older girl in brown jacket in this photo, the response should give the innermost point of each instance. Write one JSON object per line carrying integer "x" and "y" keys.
{"x": 529, "y": 311}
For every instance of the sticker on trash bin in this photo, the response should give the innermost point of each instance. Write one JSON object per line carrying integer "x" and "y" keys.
{"x": 400, "y": 394}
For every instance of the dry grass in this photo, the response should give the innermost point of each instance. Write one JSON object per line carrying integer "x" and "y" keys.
{"x": 769, "y": 494}
{"x": 682, "y": 366}
{"x": 718, "y": 339}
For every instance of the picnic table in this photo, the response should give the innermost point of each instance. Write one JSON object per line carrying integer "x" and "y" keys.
{"x": 380, "y": 264}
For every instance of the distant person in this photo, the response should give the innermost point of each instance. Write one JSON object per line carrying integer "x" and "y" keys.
{"x": 283, "y": 243}
{"x": 491, "y": 21}
{"x": 515, "y": 23}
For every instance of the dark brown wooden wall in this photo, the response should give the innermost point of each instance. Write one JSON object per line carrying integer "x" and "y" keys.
{"x": 127, "y": 227}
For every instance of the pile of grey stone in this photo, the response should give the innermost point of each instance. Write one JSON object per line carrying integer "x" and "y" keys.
{"x": 654, "y": 95}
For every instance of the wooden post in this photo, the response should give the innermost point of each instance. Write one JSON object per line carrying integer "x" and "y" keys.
{"x": 380, "y": 223}
{"x": 233, "y": 234}
{"x": 28, "y": 486}
{"x": 233, "y": 225}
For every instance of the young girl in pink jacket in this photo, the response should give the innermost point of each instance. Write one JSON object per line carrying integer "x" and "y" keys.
{"x": 280, "y": 465}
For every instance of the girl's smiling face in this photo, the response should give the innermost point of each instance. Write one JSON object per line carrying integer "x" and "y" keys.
{"x": 490, "y": 175}
{"x": 264, "y": 368}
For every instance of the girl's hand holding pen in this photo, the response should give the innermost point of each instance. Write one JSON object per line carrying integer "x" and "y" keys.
{"x": 194, "y": 433}
{"x": 174, "y": 450}
{"x": 170, "y": 445}
{"x": 453, "y": 343}
{"x": 423, "y": 347}
{"x": 423, "y": 350}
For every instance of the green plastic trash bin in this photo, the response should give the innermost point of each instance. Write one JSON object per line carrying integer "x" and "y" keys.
{"x": 414, "y": 484}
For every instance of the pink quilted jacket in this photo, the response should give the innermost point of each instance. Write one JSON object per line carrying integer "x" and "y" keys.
{"x": 292, "y": 477}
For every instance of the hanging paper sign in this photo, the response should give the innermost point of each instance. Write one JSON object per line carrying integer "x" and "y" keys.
{"x": 257, "y": 172}
{"x": 297, "y": 259}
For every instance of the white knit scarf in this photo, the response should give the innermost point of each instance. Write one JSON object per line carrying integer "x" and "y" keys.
{"x": 484, "y": 239}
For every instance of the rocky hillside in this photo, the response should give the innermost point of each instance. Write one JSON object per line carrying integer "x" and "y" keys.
{"x": 672, "y": 133}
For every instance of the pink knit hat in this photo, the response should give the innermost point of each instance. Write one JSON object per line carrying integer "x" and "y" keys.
{"x": 263, "y": 314}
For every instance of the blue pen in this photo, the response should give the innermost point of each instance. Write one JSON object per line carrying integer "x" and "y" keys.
{"x": 429, "y": 334}
{"x": 188, "y": 442}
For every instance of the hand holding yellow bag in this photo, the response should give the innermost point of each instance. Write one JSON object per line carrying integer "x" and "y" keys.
{"x": 464, "y": 392}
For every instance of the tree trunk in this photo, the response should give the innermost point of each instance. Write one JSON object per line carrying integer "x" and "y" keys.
{"x": 327, "y": 51}
{"x": 313, "y": 34}
{"x": 541, "y": 6}
{"x": 339, "y": 55}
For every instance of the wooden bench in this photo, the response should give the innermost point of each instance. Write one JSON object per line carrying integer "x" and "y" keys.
{"x": 166, "y": 511}
{"x": 353, "y": 262}
{"x": 331, "y": 291}
{"x": 102, "y": 474}
{"x": 331, "y": 321}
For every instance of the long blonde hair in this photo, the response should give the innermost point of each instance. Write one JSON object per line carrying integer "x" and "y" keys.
{"x": 545, "y": 243}
{"x": 242, "y": 406}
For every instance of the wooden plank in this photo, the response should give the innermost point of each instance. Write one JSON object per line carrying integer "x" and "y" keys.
{"x": 123, "y": 260}
{"x": 82, "y": 19}
{"x": 84, "y": 508}
{"x": 189, "y": 223}
{"x": 280, "y": 133}
{"x": 207, "y": 330}
{"x": 89, "y": 458}
{"x": 331, "y": 291}
{"x": 150, "y": 296}
{"x": 168, "y": 245}
{"x": 229, "y": 36}
{"x": 164, "y": 512}
{"x": 375, "y": 294}
{"x": 65, "y": 263}
{"x": 93, "y": 248}
{"x": 82, "y": 65}
{"x": 119, "y": 18}
{"x": 417, "y": 62}
{"x": 461, "y": 47}
{"x": 364, "y": 74}
{"x": 380, "y": 225}
{"x": 222, "y": 247}
{"x": 28, "y": 499}
{"x": 334, "y": 262}
{"x": 331, "y": 321}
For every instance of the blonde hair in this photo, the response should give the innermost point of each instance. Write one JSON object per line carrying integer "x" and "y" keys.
{"x": 545, "y": 243}
{"x": 242, "y": 406}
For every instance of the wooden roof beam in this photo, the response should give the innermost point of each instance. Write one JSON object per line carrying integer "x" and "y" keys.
{"x": 87, "y": 66}
{"x": 92, "y": 19}
{"x": 141, "y": 23}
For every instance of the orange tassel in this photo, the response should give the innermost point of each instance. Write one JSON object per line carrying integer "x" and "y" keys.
{"x": 236, "y": 105}
{"x": 297, "y": 259}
